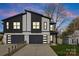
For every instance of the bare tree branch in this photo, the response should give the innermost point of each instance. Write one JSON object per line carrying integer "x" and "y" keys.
{"x": 55, "y": 10}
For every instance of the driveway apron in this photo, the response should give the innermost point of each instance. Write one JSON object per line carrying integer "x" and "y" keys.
{"x": 36, "y": 50}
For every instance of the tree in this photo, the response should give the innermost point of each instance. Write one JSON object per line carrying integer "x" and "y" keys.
{"x": 55, "y": 11}
{"x": 74, "y": 25}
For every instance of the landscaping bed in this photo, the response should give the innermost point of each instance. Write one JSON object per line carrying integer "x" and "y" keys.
{"x": 9, "y": 49}
{"x": 15, "y": 48}
{"x": 66, "y": 50}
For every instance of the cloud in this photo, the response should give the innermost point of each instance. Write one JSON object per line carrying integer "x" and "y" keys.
{"x": 5, "y": 13}
{"x": 10, "y": 13}
{"x": 69, "y": 14}
{"x": 21, "y": 7}
{"x": 14, "y": 9}
{"x": 18, "y": 8}
{"x": 29, "y": 6}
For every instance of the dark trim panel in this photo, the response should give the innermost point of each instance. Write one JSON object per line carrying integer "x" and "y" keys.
{"x": 13, "y": 16}
{"x": 11, "y": 20}
{"x": 35, "y": 18}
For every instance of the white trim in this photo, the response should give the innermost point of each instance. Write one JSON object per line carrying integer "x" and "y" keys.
{"x": 4, "y": 39}
{"x": 43, "y": 21}
{"x": 28, "y": 24}
{"x": 26, "y": 38}
{"x": 24, "y": 22}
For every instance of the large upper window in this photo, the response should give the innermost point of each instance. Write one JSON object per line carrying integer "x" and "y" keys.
{"x": 16, "y": 25}
{"x": 45, "y": 25}
{"x": 7, "y": 25}
{"x": 36, "y": 25}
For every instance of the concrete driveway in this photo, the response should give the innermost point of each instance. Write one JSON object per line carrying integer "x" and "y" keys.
{"x": 35, "y": 50}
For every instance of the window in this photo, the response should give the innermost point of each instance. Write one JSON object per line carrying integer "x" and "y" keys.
{"x": 36, "y": 25}
{"x": 74, "y": 41}
{"x": 7, "y": 25}
{"x": 51, "y": 37}
{"x": 44, "y": 36}
{"x": 9, "y": 39}
{"x": 16, "y": 25}
{"x": 51, "y": 28}
{"x": 45, "y": 25}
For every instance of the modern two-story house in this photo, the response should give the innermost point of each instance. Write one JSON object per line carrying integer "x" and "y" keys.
{"x": 29, "y": 27}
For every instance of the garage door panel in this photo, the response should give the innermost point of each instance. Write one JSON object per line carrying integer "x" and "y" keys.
{"x": 35, "y": 39}
{"x": 17, "y": 39}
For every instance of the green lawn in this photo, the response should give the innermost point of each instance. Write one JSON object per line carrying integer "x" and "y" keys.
{"x": 61, "y": 49}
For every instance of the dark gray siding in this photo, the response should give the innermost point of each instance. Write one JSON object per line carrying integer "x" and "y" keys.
{"x": 35, "y": 18}
{"x": 11, "y": 20}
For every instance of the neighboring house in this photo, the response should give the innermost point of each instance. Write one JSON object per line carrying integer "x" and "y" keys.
{"x": 29, "y": 27}
{"x": 72, "y": 39}
{"x": 59, "y": 41}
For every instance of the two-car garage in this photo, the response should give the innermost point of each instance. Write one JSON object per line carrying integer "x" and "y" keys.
{"x": 33, "y": 39}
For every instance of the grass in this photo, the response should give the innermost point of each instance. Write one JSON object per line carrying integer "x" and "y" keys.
{"x": 61, "y": 49}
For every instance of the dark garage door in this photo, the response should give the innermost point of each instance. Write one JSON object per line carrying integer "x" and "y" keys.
{"x": 35, "y": 39}
{"x": 15, "y": 39}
